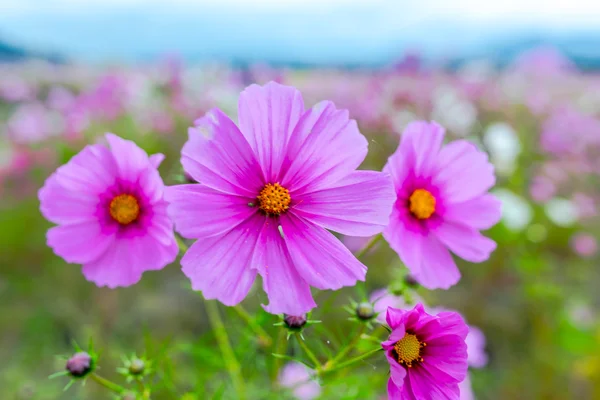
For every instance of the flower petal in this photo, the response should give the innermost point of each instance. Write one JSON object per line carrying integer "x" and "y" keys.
{"x": 446, "y": 359}
{"x": 325, "y": 147}
{"x": 393, "y": 391}
{"x": 199, "y": 211}
{"x": 407, "y": 243}
{"x": 130, "y": 159}
{"x": 288, "y": 292}
{"x": 425, "y": 386}
{"x": 463, "y": 172}
{"x": 437, "y": 269}
{"x": 395, "y": 317}
{"x": 426, "y": 139}
{"x": 358, "y": 205}
{"x": 267, "y": 116}
{"x": 465, "y": 242}
{"x": 482, "y": 212}
{"x": 127, "y": 258}
{"x": 218, "y": 156}
{"x": 320, "y": 258}
{"x": 63, "y": 206}
{"x": 156, "y": 159}
{"x": 397, "y": 371}
{"x": 220, "y": 266}
{"x": 79, "y": 243}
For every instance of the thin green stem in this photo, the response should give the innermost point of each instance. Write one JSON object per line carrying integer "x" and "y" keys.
{"x": 182, "y": 246}
{"x": 263, "y": 336}
{"x": 231, "y": 363}
{"x": 308, "y": 352}
{"x": 332, "y": 367}
{"x": 369, "y": 246}
{"x": 107, "y": 384}
{"x": 350, "y": 346}
{"x": 280, "y": 348}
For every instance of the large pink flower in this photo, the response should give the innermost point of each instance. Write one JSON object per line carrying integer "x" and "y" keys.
{"x": 427, "y": 354}
{"x": 442, "y": 203}
{"x": 268, "y": 193}
{"x": 111, "y": 216}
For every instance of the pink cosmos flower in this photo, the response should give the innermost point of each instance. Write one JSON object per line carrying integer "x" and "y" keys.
{"x": 382, "y": 299}
{"x": 584, "y": 244}
{"x": 111, "y": 216}
{"x": 442, "y": 203}
{"x": 427, "y": 354}
{"x": 298, "y": 378}
{"x": 269, "y": 191}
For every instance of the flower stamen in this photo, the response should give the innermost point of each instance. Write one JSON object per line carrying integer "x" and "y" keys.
{"x": 124, "y": 209}
{"x": 421, "y": 204}
{"x": 408, "y": 350}
{"x": 274, "y": 199}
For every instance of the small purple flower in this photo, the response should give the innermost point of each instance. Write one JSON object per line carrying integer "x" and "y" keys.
{"x": 79, "y": 364}
{"x": 476, "y": 348}
{"x": 299, "y": 379}
{"x": 269, "y": 192}
{"x": 442, "y": 203}
{"x": 427, "y": 354}
{"x": 111, "y": 216}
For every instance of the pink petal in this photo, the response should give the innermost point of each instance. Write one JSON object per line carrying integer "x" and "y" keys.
{"x": 326, "y": 146}
{"x": 221, "y": 266}
{"x": 267, "y": 116}
{"x": 199, "y": 211}
{"x": 320, "y": 258}
{"x": 437, "y": 269}
{"x": 466, "y": 390}
{"x": 465, "y": 242}
{"x": 63, "y": 206}
{"x": 156, "y": 159}
{"x": 358, "y": 205}
{"x": 89, "y": 172}
{"x": 395, "y": 317}
{"x": 426, "y": 139}
{"x": 446, "y": 359}
{"x": 116, "y": 267}
{"x": 218, "y": 156}
{"x": 476, "y": 348}
{"x": 288, "y": 292}
{"x": 482, "y": 212}
{"x": 393, "y": 391}
{"x": 407, "y": 243}
{"x": 425, "y": 386}
{"x": 79, "y": 243}
{"x": 463, "y": 172}
{"x": 397, "y": 371}
{"x": 130, "y": 159}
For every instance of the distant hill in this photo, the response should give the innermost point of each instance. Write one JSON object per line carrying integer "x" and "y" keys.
{"x": 13, "y": 53}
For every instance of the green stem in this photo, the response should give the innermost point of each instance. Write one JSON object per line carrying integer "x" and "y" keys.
{"x": 350, "y": 346}
{"x": 369, "y": 246}
{"x": 308, "y": 351}
{"x": 107, "y": 384}
{"x": 280, "y": 348}
{"x": 332, "y": 367}
{"x": 182, "y": 246}
{"x": 263, "y": 336}
{"x": 231, "y": 363}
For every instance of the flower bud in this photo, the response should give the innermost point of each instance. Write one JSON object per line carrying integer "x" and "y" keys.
{"x": 137, "y": 366}
{"x": 365, "y": 311}
{"x": 294, "y": 322}
{"x": 79, "y": 364}
{"x": 411, "y": 281}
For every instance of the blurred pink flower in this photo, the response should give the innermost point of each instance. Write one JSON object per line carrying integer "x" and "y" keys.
{"x": 543, "y": 61}
{"x": 584, "y": 244}
{"x": 542, "y": 189}
{"x": 300, "y": 380}
{"x": 31, "y": 123}
{"x": 585, "y": 205}
{"x": 442, "y": 204}
{"x": 111, "y": 216}
{"x": 14, "y": 89}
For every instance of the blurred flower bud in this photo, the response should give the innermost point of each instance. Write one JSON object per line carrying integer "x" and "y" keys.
{"x": 136, "y": 367}
{"x": 79, "y": 364}
{"x": 129, "y": 396}
{"x": 411, "y": 281}
{"x": 294, "y": 322}
{"x": 365, "y": 311}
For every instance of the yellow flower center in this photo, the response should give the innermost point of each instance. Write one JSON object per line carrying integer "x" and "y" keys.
{"x": 274, "y": 199}
{"x": 124, "y": 209}
{"x": 422, "y": 204}
{"x": 408, "y": 349}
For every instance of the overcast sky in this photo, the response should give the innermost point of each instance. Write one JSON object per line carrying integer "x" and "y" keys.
{"x": 308, "y": 30}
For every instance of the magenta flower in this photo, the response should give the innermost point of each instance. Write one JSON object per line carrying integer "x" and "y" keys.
{"x": 427, "y": 354}
{"x": 268, "y": 193}
{"x": 111, "y": 216}
{"x": 442, "y": 203}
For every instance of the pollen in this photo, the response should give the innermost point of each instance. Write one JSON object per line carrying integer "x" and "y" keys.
{"x": 421, "y": 204}
{"x": 124, "y": 209}
{"x": 408, "y": 350}
{"x": 274, "y": 199}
